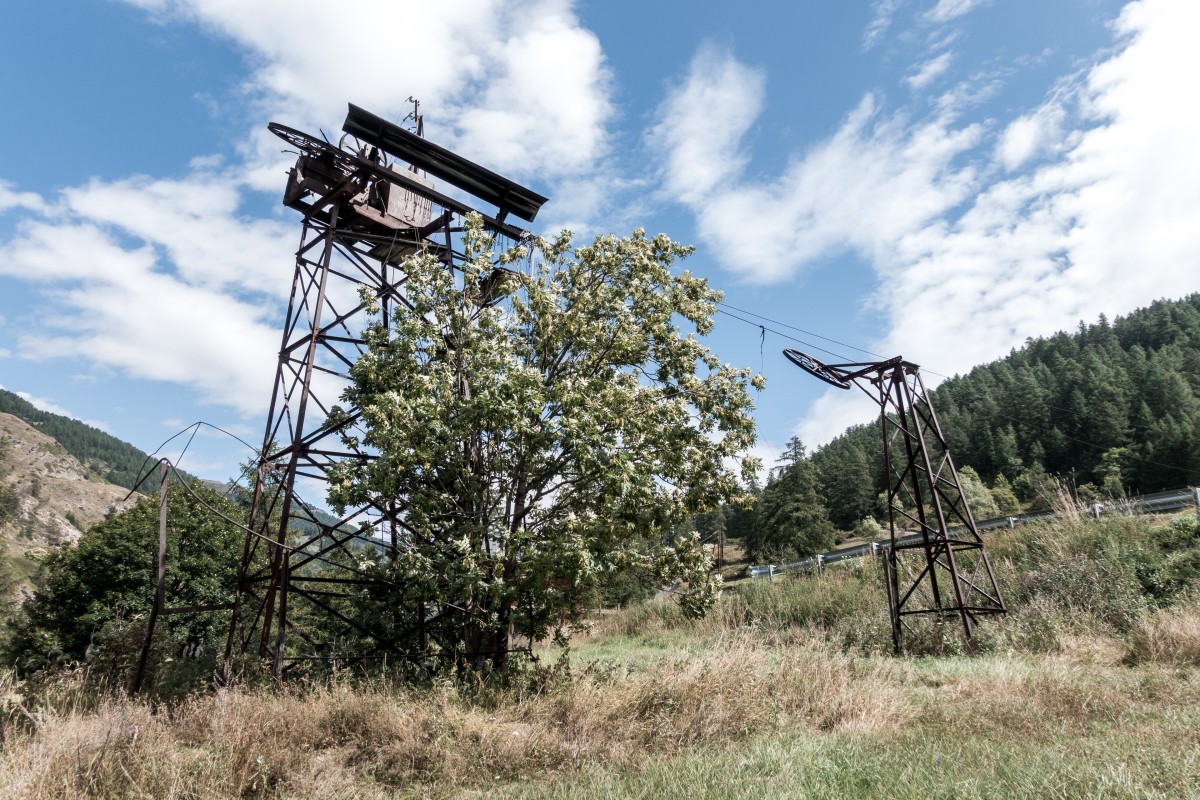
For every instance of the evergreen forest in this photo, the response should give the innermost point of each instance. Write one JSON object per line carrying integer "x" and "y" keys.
{"x": 1108, "y": 411}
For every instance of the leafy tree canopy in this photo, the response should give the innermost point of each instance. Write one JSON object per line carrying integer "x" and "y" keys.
{"x": 108, "y": 575}
{"x": 537, "y": 447}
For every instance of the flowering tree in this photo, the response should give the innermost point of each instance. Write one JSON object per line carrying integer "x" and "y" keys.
{"x": 534, "y": 447}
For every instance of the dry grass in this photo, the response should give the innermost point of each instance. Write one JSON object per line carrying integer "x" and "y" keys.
{"x": 1169, "y": 635}
{"x": 347, "y": 741}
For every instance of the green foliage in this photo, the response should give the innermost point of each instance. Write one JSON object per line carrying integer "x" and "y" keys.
{"x": 10, "y": 506}
{"x": 868, "y": 528}
{"x": 792, "y": 519}
{"x": 106, "y": 580}
{"x": 846, "y": 469}
{"x": 978, "y": 496}
{"x": 1004, "y": 497}
{"x": 741, "y": 519}
{"x": 536, "y": 451}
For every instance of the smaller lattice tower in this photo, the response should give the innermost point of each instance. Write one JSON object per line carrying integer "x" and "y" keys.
{"x": 935, "y": 562}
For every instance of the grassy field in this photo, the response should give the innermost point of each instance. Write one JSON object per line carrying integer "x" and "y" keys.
{"x": 1089, "y": 688}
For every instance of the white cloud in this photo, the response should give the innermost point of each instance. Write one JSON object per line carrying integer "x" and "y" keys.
{"x": 947, "y": 10}
{"x": 10, "y": 198}
{"x": 702, "y": 123}
{"x": 194, "y": 222}
{"x": 832, "y": 413}
{"x": 929, "y": 71}
{"x": 119, "y": 308}
{"x": 882, "y": 12}
{"x": 874, "y": 180}
{"x": 519, "y": 86}
{"x": 1031, "y": 135}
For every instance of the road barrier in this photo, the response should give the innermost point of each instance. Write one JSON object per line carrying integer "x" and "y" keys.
{"x": 1157, "y": 503}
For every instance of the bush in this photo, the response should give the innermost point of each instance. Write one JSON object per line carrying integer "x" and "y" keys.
{"x": 91, "y": 598}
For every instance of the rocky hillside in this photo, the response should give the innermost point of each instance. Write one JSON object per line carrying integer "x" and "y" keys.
{"x": 46, "y": 497}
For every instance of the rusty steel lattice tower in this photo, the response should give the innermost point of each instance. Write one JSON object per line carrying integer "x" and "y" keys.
{"x": 367, "y": 205}
{"x": 932, "y": 568}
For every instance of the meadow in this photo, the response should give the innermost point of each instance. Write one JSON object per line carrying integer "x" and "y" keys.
{"x": 1089, "y": 687}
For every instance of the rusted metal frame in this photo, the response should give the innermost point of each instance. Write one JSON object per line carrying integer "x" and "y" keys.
{"x": 332, "y": 372}
{"x": 328, "y": 540}
{"x": 290, "y": 475}
{"x": 916, "y": 584}
{"x": 890, "y": 559}
{"x": 957, "y": 503}
{"x": 338, "y": 321}
{"x": 346, "y": 595}
{"x": 353, "y": 623}
{"x": 324, "y": 528}
{"x": 898, "y": 390}
{"x": 331, "y": 536}
{"x": 281, "y": 633}
{"x": 160, "y": 580}
{"x": 249, "y": 589}
{"x": 335, "y": 195}
{"x": 997, "y": 597}
{"x": 357, "y": 340}
{"x": 321, "y": 579}
{"x": 415, "y": 629}
{"x": 249, "y": 550}
{"x": 323, "y": 432}
{"x": 446, "y": 202}
{"x": 275, "y": 417}
{"x": 343, "y": 454}
{"x": 971, "y": 582}
{"x": 348, "y": 243}
{"x": 967, "y": 619}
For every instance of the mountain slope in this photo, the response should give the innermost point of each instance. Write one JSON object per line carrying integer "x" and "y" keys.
{"x": 107, "y": 457}
{"x": 46, "y": 496}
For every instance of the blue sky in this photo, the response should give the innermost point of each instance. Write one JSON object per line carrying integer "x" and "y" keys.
{"x": 939, "y": 179}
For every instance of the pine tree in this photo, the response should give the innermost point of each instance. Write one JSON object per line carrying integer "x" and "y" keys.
{"x": 793, "y": 520}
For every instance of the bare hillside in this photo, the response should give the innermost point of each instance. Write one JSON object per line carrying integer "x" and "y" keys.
{"x": 46, "y": 496}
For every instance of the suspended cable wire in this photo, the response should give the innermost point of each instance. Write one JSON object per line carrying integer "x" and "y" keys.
{"x": 1017, "y": 420}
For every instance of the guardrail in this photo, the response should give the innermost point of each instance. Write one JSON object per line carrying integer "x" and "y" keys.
{"x": 1173, "y": 500}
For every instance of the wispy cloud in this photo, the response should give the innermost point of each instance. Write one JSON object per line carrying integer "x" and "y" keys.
{"x": 1031, "y": 135}
{"x": 121, "y": 305}
{"x": 877, "y": 178}
{"x": 701, "y": 125}
{"x": 929, "y": 71}
{"x": 882, "y": 12}
{"x": 947, "y": 10}
{"x": 10, "y": 198}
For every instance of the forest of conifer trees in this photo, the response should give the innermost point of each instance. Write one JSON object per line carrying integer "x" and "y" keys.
{"x": 1110, "y": 410}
